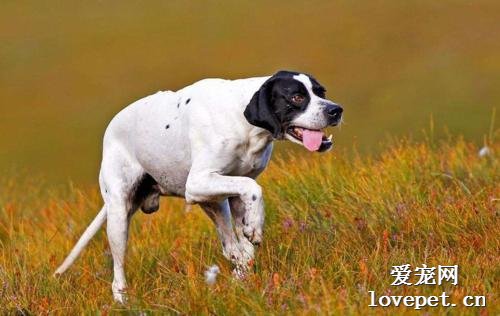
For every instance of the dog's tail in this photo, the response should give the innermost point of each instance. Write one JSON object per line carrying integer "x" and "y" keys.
{"x": 83, "y": 241}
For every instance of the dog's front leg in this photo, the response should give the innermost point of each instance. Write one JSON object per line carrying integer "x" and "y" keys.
{"x": 221, "y": 216}
{"x": 210, "y": 187}
{"x": 202, "y": 187}
{"x": 238, "y": 212}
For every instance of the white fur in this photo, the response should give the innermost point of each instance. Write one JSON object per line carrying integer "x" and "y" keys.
{"x": 209, "y": 154}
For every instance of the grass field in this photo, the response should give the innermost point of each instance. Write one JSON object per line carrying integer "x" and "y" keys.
{"x": 336, "y": 223}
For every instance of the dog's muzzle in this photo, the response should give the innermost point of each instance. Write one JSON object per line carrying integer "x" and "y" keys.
{"x": 333, "y": 113}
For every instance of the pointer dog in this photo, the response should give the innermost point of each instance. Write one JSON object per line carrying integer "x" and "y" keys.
{"x": 207, "y": 143}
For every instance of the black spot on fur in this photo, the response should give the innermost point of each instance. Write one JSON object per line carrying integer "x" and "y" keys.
{"x": 188, "y": 100}
{"x": 167, "y": 126}
{"x": 254, "y": 197}
{"x": 178, "y": 104}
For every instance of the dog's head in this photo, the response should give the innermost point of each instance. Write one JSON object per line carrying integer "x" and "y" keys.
{"x": 292, "y": 105}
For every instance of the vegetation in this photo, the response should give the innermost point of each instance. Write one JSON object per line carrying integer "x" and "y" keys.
{"x": 336, "y": 224}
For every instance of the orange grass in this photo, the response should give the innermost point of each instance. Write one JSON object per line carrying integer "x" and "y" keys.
{"x": 335, "y": 226}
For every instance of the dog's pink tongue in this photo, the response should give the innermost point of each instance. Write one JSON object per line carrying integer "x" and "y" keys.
{"x": 312, "y": 139}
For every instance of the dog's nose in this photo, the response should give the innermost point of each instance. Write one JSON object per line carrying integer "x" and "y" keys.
{"x": 334, "y": 113}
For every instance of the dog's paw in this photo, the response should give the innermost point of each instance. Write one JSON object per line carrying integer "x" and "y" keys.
{"x": 252, "y": 227}
{"x": 253, "y": 234}
{"x": 120, "y": 297}
{"x": 239, "y": 255}
{"x": 240, "y": 272}
{"x": 120, "y": 294}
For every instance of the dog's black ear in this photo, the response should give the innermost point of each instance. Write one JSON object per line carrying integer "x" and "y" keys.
{"x": 259, "y": 111}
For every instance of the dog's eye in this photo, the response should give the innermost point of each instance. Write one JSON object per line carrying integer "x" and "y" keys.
{"x": 297, "y": 98}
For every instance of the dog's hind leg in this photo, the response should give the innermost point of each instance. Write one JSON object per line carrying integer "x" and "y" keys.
{"x": 119, "y": 181}
{"x": 117, "y": 231}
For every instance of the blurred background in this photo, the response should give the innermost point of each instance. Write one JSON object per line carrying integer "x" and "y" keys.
{"x": 66, "y": 67}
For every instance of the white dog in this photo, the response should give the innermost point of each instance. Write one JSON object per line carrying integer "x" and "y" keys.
{"x": 207, "y": 143}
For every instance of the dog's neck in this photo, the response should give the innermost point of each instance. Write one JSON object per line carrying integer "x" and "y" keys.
{"x": 259, "y": 140}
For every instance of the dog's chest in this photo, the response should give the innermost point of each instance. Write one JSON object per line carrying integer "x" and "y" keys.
{"x": 249, "y": 159}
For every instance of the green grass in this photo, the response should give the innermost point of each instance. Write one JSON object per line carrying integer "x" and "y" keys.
{"x": 335, "y": 225}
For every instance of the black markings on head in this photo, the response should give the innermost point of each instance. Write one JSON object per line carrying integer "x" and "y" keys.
{"x": 254, "y": 197}
{"x": 273, "y": 106}
{"x": 317, "y": 88}
{"x": 188, "y": 100}
{"x": 167, "y": 126}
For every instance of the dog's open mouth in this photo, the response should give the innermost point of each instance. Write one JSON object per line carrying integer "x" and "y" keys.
{"x": 313, "y": 140}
